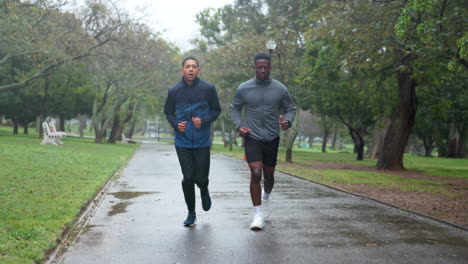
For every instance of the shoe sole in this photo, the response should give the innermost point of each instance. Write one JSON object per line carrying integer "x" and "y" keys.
{"x": 256, "y": 228}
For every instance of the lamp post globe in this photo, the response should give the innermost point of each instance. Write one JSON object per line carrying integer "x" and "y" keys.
{"x": 270, "y": 45}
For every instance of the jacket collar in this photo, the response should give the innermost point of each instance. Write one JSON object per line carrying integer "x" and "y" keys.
{"x": 263, "y": 82}
{"x": 185, "y": 84}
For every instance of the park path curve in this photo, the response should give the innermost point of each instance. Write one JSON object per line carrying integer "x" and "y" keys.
{"x": 139, "y": 221}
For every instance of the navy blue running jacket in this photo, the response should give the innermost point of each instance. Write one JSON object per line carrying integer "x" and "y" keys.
{"x": 184, "y": 102}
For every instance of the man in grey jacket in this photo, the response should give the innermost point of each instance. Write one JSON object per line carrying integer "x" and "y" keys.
{"x": 263, "y": 98}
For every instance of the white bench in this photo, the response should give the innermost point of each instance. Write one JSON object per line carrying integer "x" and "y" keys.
{"x": 126, "y": 140}
{"x": 51, "y": 135}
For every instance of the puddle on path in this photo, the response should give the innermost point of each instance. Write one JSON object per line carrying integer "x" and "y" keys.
{"x": 118, "y": 208}
{"x": 121, "y": 207}
{"x": 129, "y": 195}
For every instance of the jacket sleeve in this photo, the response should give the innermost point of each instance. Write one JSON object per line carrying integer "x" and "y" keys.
{"x": 236, "y": 110}
{"x": 288, "y": 107}
{"x": 215, "y": 108}
{"x": 170, "y": 109}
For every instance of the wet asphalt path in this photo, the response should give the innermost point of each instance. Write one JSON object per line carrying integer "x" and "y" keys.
{"x": 140, "y": 220}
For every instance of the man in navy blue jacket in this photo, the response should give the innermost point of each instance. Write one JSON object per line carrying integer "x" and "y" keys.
{"x": 191, "y": 106}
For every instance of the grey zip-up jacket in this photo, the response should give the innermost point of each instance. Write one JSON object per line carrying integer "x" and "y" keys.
{"x": 263, "y": 101}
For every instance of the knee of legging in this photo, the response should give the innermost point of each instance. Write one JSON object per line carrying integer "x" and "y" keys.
{"x": 188, "y": 181}
{"x": 202, "y": 184}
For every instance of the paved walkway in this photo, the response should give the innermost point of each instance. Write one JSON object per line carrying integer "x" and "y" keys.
{"x": 140, "y": 219}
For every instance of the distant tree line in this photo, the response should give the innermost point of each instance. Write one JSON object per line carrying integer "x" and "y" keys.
{"x": 95, "y": 63}
{"x": 391, "y": 75}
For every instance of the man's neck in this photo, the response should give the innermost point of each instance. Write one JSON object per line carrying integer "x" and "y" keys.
{"x": 189, "y": 83}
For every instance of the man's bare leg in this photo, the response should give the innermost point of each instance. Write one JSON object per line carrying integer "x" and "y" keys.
{"x": 256, "y": 194}
{"x": 269, "y": 179}
{"x": 255, "y": 179}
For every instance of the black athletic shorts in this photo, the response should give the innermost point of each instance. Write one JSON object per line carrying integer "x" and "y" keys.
{"x": 261, "y": 151}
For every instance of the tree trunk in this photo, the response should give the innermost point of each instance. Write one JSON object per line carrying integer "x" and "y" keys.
{"x": 101, "y": 122}
{"x": 335, "y": 135}
{"x": 223, "y": 133}
{"x": 464, "y": 141}
{"x": 378, "y": 139}
{"x": 39, "y": 121}
{"x": 116, "y": 128}
{"x": 453, "y": 138}
{"x": 359, "y": 147}
{"x": 25, "y": 129}
{"x": 325, "y": 139}
{"x": 439, "y": 142}
{"x": 358, "y": 143}
{"x": 98, "y": 133}
{"x": 132, "y": 128}
{"x": 292, "y": 133}
{"x": 15, "y": 126}
{"x": 61, "y": 126}
{"x": 82, "y": 126}
{"x": 211, "y": 137}
{"x": 428, "y": 146}
{"x": 96, "y": 124}
{"x": 357, "y": 136}
{"x": 402, "y": 122}
{"x": 231, "y": 140}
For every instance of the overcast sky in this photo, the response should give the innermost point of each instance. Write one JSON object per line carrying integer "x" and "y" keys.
{"x": 176, "y": 17}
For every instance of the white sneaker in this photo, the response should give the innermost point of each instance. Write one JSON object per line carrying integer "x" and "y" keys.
{"x": 265, "y": 196}
{"x": 258, "y": 223}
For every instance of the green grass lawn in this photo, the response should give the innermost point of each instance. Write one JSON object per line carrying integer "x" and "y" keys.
{"x": 43, "y": 188}
{"x": 442, "y": 167}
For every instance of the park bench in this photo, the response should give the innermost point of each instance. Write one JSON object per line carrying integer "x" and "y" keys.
{"x": 126, "y": 140}
{"x": 51, "y": 135}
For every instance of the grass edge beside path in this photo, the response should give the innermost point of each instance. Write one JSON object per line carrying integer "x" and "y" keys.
{"x": 44, "y": 188}
{"x": 74, "y": 229}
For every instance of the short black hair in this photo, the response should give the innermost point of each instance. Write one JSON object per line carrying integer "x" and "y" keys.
{"x": 262, "y": 56}
{"x": 190, "y": 58}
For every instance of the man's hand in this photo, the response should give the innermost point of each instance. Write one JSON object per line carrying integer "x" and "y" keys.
{"x": 181, "y": 126}
{"x": 284, "y": 123}
{"x": 197, "y": 121}
{"x": 243, "y": 131}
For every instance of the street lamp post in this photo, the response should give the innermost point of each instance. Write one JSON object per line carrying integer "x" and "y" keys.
{"x": 270, "y": 45}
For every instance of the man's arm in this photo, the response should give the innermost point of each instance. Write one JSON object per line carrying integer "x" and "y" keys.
{"x": 288, "y": 107}
{"x": 236, "y": 110}
{"x": 215, "y": 108}
{"x": 169, "y": 110}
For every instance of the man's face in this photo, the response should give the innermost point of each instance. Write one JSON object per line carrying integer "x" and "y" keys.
{"x": 190, "y": 70}
{"x": 262, "y": 69}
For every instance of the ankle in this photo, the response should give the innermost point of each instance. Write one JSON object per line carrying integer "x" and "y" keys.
{"x": 258, "y": 209}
